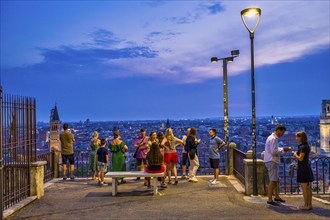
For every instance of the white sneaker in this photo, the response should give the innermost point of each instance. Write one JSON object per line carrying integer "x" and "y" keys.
{"x": 211, "y": 180}
{"x": 214, "y": 182}
{"x": 194, "y": 180}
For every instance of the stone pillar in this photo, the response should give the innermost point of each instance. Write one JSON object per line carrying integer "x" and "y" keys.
{"x": 248, "y": 163}
{"x": 37, "y": 179}
{"x": 56, "y": 161}
{"x": 232, "y": 146}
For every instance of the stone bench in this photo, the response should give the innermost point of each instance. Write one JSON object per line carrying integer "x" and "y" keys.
{"x": 116, "y": 175}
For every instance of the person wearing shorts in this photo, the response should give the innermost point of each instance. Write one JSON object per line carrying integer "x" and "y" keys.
{"x": 272, "y": 161}
{"x": 67, "y": 140}
{"x": 141, "y": 151}
{"x": 102, "y": 158}
{"x": 170, "y": 155}
{"x": 184, "y": 156}
{"x": 215, "y": 145}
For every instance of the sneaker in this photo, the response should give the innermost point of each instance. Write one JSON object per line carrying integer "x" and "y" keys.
{"x": 104, "y": 184}
{"x": 72, "y": 177}
{"x": 176, "y": 182}
{"x": 272, "y": 203}
{"x": 214, "y": 182}
{"x": 279, "y": 200}
{"x": 163, "y": 185}
{"x": 211, "y": 180}
{"x": 184, "y": 177}
{"x": 64, "y": 177}
{"x": 305, "y": 208}
{"x": 194, "y": 180}
{"x": 138, "y": 178}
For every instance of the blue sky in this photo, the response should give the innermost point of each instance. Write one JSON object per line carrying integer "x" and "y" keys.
{"x": 124, "y": 60}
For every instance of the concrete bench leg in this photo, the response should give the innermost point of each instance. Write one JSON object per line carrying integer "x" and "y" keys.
{"x": 114, "y": 186}
{"x": 155, "y": 186}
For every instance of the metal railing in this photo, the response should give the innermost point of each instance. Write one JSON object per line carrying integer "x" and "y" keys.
{"x": 321, "y": 171}
{"x": 239, "y": 167}
{"x": 49, "y": 167}
{"x": 18, "y": 147}
{"x": 82, "y": 163}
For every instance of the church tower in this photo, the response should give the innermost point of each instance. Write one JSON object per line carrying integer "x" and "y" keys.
{"x": 55, "y": 130}
{"x": 325, "y": 128}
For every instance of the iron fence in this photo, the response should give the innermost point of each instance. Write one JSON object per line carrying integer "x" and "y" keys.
{"x": 321, "y": 170}
{"x": 18, "y": 147}
{"x": 239, "y": 168}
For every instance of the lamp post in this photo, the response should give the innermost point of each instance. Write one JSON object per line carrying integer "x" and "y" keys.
{"x": 249, "y": 13}
{"x": 225, "y": 61}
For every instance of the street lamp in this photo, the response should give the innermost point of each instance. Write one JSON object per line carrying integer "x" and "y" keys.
{"x": 225, "y": 60}
{"x": 250, "y": 13}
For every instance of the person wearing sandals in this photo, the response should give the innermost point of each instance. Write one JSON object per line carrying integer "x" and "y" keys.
{"x": 304, "y": 171}
{"x": 155, "y": 160}
{"x": 118, "y": 149}
{"x": 102, "y": 159}
{"x": 160, "y": 137}
{"x": 170, "y": 154}
{"x": 94, "y": 144}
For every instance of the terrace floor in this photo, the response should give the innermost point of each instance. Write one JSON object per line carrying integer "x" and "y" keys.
{"x": 84, "y": 199}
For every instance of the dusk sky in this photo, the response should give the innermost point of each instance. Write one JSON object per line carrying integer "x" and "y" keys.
{"x": 127, "y": 60}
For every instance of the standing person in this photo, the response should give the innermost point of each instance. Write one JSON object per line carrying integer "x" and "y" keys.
{"x": 170, "y": 154}
{"x": 102, "y": 158}
{"x": 67, "y": 140}
{"x": 184, "y": 155}
{"x": 272, "y": 162}
{"x": 215, "y": 145}
{"x": 118, "y": 148}
{"x": 94, "y": 144}
{"x": 160, "y": 137}
{"x": 140, "y": 154}
{"x": 192, "y": 144}
{"x": 155, "y": 160}
{"x": 304, "y": 172}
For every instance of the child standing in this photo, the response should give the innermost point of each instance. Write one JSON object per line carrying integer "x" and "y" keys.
{"x": 102, "y": 159}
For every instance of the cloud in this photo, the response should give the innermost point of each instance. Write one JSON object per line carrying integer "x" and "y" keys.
{"x": 215, "y": 8}
{"x": 179, "y": 40}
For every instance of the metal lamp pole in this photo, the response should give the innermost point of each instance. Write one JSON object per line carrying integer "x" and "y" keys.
{"x": 253, "y": 12}
{"x": 225, "y": 61}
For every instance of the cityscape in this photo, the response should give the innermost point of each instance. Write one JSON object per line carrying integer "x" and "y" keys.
{"x": 248, "y": 82}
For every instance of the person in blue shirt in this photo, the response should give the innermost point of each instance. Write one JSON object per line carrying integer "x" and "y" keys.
{"x": 215, "y": 145}
{"x": 102, "y": 159}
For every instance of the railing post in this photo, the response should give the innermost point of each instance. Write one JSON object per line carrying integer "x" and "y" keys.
{"x": 55, "y": 162}
{"x": 248, "y": 163}
{"x": 232, "y": 146}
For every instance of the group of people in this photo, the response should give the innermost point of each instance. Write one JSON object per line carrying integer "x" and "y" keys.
{"x": 157, "y": 154}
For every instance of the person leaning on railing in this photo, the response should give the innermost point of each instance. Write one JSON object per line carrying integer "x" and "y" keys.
{"x": 304, "y": 172}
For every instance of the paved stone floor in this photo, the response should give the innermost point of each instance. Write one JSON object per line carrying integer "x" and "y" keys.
{"x": 83, "y": 199}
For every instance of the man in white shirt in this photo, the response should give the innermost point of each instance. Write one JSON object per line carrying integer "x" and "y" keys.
{"x": 272, "y": 161}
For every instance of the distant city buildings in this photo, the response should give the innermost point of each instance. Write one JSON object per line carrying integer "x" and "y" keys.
{"x": 325, "y": 128}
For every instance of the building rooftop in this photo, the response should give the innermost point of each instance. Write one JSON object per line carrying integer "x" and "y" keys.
{"x": 84, "y": 199}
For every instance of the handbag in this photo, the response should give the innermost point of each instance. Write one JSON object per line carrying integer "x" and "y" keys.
{"x": 135, "y": 154}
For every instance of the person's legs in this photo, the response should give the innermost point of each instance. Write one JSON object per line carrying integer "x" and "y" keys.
{"x": 216, "y": 174}
{"x": 275, "y": 187}
{"x": 64, "y": 170}
{"x": 173, "y": 165}
{"x": 304, "y": 189}
{"x": 71, "y": 170}
{"x": 309, "y": 194}
{"x": 102, "y": 177}
{"x": 270, "y": 191}
{"x": 168, "y": 168}
{"x": 196, "y": 165}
